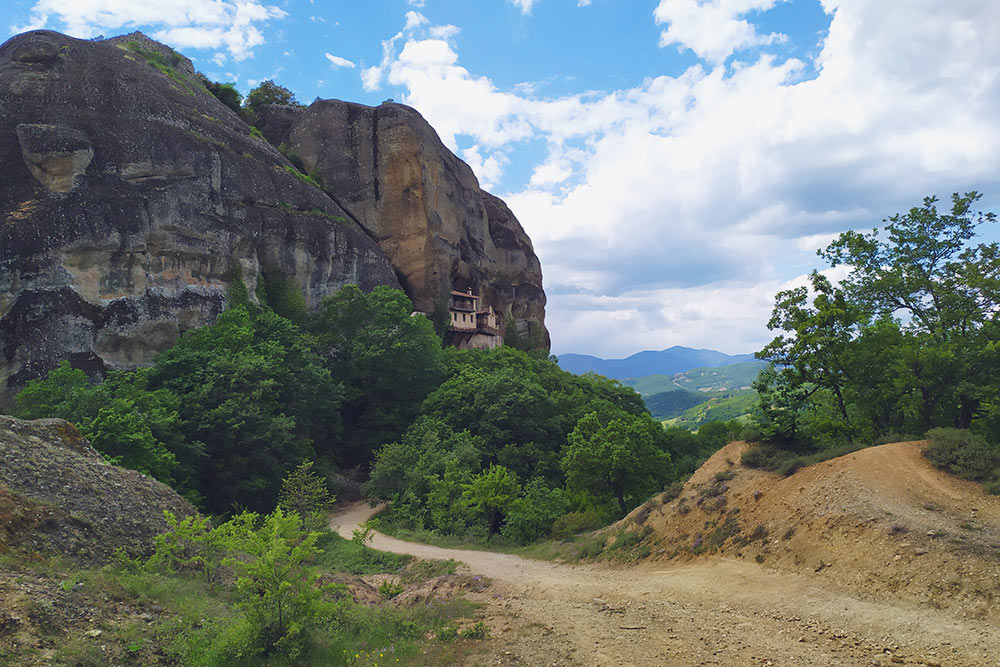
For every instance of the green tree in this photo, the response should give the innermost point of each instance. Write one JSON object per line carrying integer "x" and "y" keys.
{"x": 619, "y": 458}
{"x": 816, "y": 353}
{"x": 387, "y": 359}
{"x": 259, "y": 399}
{"x": 224, "y": 92}
{"x": 268, "y": 92}
{"x": 530, "y": 516}
{"x": 919, "y": 304}
{"x": 305, "y": 493}
{"x": 275, "y": 586}
{"x": 946, "y": 289}
{"x": 127, "y": 422}
{"x": 492, "y": 492}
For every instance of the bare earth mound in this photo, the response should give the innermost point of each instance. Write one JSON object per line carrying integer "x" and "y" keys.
{"x": 881, "y": 522}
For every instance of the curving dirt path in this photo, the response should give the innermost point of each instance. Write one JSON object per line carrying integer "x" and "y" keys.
{"x": 714, "y": 612}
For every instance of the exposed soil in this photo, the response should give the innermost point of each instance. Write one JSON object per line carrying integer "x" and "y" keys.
{"x": 859, "y": 581}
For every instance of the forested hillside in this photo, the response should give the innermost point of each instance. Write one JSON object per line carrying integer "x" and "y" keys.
{"x": 699, "y": 395}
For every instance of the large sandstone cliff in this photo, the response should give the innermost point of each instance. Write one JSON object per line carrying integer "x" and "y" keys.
{"x": 130, "y": 198}
{"x": 388, "y": 167}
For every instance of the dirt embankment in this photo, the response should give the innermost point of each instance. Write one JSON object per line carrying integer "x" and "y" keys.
{"x": 871, "y": 559}
{"x": 881, "y": 523}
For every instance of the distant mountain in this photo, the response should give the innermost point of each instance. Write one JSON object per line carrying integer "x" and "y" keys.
{"x": 694, "y": 396}
{"x": 673, "y": 360}
{"x": 727, "y": 378}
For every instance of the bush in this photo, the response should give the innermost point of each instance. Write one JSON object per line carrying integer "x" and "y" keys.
{"x": 390, "y": 589}
{"x": 963, "y": 453}
{"x": 673, "y": 491}
{"x": 576, "y": 522}
{"x": 530, "y": 518}
{"x": 591, "y": 548}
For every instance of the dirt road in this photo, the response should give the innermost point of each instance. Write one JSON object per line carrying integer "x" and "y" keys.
{"x": 716, "y": 612}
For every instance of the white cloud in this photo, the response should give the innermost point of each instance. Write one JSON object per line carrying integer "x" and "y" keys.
{"x": 230, "y": 24}
{"x": 683, "y": 203}
{"x": 489, "y": 170}
{"x": 371, "y": 77}
{"x": 443, "y": 31}
{"x": 415, "y": 20}
{"x": 337, "y": 61}
{"x": 713, "y": 29}
{"x": 523, "y": 5}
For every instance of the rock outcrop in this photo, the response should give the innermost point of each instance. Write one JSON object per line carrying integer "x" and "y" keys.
{"x": 58, "y": 496}
{"x": 130, "y": 197}
{"x": 387, "y": 166}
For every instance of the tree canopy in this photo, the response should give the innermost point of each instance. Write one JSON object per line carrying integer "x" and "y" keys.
{"x": 908, "y": 341}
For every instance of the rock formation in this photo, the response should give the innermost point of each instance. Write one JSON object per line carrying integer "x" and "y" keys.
{"x": 57, "y": 495}
{"x": 131, "y": 198}
{"x": 387, "y": 166}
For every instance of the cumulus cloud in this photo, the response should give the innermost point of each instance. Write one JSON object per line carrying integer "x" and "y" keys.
{"x": 713, "y": 29}
{"x": 230, "y": 24}
{"x": 700, "y": 194}
{"x": 338, "y": 62}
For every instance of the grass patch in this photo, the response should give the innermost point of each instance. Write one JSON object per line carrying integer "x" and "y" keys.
{"x": 165, "y": 63}
{"x": 143, "y": 617}
{"x": 347, "y": 556}
{"x": 305, "y": 178}
{"x": 422, "y": 570}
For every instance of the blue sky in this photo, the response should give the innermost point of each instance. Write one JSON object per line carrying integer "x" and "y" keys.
{"x": 676, "y": 162}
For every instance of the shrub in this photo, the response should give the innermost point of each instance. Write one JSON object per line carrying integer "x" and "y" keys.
{"x": 275, "y": 588}
{"x": 576, "y": 522}
{"x": 643, "y": 514}
{"x": 673, "y": 491}
{"x": 591, "y": 548}
{"x": 477, "y": 631}
{"x": 626, "y": 539}
{"x": 390, "y": 589}
{"x": 963, "y": 453}
{"x": 761, "y": 456}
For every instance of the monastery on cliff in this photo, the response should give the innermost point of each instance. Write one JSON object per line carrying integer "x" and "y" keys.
{"x": 470, "y": 325}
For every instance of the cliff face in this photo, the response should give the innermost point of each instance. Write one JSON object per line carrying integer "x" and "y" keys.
{"x": 130, "y": 196}
{"x": 387, "y": 166}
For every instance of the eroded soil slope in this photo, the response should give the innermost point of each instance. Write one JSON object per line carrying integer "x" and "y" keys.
{"x": 881, "y": 522}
